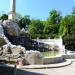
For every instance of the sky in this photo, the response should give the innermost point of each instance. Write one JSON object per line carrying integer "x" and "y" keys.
{"x": 38, "y": 9}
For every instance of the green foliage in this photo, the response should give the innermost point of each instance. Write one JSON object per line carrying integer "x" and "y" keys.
{"x": 69, "y": 41}
{"x": 48, "y": 28}
{"x": 36, "y": 28}
{"x": 4, "y": 17}
{"x": 54, "y": 16}
{"x": 68, "y": 23}
{"x": 53, "y": 23}
{"x": 69, "y": 37}
{"x": 62, "y": 29}
{"x": 23, "y": 21}
{"x": 73, "y": 30}
{"x": 73, "y": 11}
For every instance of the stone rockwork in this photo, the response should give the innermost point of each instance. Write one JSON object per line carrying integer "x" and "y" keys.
{"x": 3, "y": 39}
{"x": 15, "y": 51}
{"x": 9, "y": 51}
{"x": 12, "y": 53}
{"x": 1, "y": 28}
{"x": 11, "y": 28}
{"x": 22, "y": 32}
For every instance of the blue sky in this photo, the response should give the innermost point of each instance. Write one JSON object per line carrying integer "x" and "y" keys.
{"x": 38, "y": 9}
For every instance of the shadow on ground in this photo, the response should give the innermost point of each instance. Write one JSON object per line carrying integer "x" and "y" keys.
{"x": 22, "y": 72}
{"x": 5, "y": 70}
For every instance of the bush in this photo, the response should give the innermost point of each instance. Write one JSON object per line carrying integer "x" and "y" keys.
{"x": 69, "y": 42}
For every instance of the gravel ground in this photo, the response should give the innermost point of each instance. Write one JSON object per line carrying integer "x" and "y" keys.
{"x": 67, "y": 70}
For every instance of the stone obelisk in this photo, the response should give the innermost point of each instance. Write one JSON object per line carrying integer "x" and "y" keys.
{"x": 12, "y": 13}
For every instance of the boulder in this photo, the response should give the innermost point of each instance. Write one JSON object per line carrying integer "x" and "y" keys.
{"x": 1, "y": 28}
{"x": 2, "y": 41}
{"x": 18, "y": 51}
{"x": 13, "y": 54}
{"x": 15, "y": 51}
{"x": 11, "y": 28}
{"x": 22, "y": 62}
{"x": 1, "y": 52}
{"x": 22, "y": 32}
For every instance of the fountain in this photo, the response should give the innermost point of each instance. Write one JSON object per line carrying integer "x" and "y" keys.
{"x": 16, "y": 54}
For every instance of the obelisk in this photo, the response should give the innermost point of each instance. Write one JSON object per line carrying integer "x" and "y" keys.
{"x": 12, "y": 13}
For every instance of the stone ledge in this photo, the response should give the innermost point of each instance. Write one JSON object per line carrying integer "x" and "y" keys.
{"x": 54, "y": 59}
{"x": 57, "y": 65}
{"x": 69, "y": 56}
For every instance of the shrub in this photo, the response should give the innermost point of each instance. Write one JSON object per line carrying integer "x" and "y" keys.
{"x": 69, "y": 41}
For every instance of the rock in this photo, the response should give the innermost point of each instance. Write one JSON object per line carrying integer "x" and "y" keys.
{"x": 22, "y": 62}
{"x": 15, "y": 51}
{"x": 11, "y": 28}
{"x": 7, "y": 50}
{"x": 22, "y": 32}
{"x": 34, "y": 57}
{"x": 6, "y": 39}
{"x": 1, "y": 52}
{"x": 1, "y": 28}
{"x": 18, "y": 50}
{"x": 2, "y": 41}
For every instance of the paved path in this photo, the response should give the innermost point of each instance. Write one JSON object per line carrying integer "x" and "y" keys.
{"x": 67, "y": 70}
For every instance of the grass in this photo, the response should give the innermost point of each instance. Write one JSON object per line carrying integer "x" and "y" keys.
{"x": 49, "y": 53}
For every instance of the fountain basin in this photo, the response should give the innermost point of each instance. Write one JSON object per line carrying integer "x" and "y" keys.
{"x": 53, "y": 59}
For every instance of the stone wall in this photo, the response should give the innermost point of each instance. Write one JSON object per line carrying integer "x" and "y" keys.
{"x": 51, "y": 60}
{"x": 53, "y": 42}
{"x": 69, "y": 56}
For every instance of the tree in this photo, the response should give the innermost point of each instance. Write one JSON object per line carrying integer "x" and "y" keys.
{"x": 73, "y": 11}
{"x": 69, "y": 42}
{"x": 62, "y": 28}
{"x": 54, "y": 22}
{"x": 36, "y": 28}
{"x": 69, "y": 22}
{"x": 24, "y": 21}
{"x": 54, "y": 17}
{"x": 47, "y": 29}
{"x": 4, "y": 17}
{"x": 69, "y": 38}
